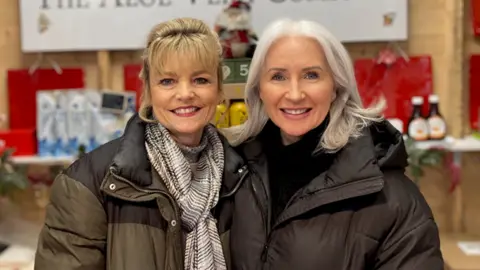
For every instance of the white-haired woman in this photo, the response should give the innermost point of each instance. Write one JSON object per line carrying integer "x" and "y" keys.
{"x": 326, "y": 186}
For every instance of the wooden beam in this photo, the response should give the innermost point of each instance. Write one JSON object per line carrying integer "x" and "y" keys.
{"x": 454, "y": 55}
{"x": 104, "y": 67}
{"x": 455, "y": 94}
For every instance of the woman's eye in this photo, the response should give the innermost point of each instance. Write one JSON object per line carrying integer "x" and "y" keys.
{"x": 278, "y": 77}
{"x": 201, "y": 81}
{"x": 166, "y": 82}
{"x": 311, "y": 75}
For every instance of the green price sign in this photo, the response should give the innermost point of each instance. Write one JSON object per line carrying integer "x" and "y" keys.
{"x": 242, "y": 69}
{"x": 236, "y": 70}
{"x": 228, "y": 72}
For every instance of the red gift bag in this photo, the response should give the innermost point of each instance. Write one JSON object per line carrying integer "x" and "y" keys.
{"x": 23, "y": 141}
{"x": 23, "y": 86}
{"x": 397, "y": 83}
{"x": 475, "y": 13}
{"x": 131, "y": 80}
{"x": 474, "y": 92}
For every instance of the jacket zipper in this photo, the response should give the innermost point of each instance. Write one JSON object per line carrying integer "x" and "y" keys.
{"x": 265, "y": 213}
{"x": 245, "y": 172}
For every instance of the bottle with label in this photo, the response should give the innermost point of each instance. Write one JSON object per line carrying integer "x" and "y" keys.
{"x": 417, "y": 125}
{"x": 221, "y": 116}
{"x": 238, "y": 113}
{"x": 437, "y": 128}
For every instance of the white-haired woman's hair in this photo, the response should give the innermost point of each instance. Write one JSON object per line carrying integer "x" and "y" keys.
{"x": 347, "y": 115}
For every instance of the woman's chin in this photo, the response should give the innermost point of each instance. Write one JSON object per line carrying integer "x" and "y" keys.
{"x": 294, "y": 131}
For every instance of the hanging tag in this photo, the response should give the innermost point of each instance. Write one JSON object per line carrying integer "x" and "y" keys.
{"x": 387, "y": 57}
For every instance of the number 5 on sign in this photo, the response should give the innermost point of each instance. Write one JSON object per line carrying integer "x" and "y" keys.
{"x": 242, "y": 69}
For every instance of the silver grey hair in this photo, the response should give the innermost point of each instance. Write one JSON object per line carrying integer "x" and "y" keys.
{"x": 347, "y": 115}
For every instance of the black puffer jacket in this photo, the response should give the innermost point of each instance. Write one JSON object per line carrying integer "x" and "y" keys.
{"x": 363, "y": 213}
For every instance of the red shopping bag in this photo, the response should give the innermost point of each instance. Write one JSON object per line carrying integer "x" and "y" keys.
{"x": 475, "y": 13}
{"x": 474, "y": 91}
{"x": 131, "y": 80}
{"x": 397, "y": 83}
{"x": 23, "y": 87}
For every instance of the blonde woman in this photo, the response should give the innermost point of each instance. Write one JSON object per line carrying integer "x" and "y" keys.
{"x": 326, "y": 186}
{"x": 146, "y": 201}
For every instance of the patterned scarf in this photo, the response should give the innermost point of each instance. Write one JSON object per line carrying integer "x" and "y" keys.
{"x": 196, "y": 192}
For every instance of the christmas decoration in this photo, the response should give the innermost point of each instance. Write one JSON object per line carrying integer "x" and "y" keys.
{"x": 11, "y": 177}
{"x": 234, "y": 29}
{"x": 419, "y": 159}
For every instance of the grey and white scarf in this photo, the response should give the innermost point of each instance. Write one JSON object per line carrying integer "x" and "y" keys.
{"x": 196, "y": 192}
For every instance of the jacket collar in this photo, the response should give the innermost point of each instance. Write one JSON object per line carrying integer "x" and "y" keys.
{"x": 131, "y": 160}
{"x": 378, "y": 148}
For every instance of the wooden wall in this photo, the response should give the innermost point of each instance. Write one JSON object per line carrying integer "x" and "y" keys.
{"x": 436, "y": 27}
{"x": 471, "y": 162}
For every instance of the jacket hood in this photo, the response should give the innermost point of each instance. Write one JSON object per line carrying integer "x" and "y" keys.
{"x": 379, "y": 148}
{"x": 389, "y": 146}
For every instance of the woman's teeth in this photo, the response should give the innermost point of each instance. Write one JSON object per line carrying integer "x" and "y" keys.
{"x": 295, "y": 112}
{"x": 186, "y": 110}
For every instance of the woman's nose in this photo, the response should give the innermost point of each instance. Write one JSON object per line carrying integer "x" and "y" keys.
{"x": 295, "y": 94}
{"x": 185, "y": 91}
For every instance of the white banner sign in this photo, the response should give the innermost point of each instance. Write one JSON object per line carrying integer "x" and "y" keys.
{"x": 80, "y": 25}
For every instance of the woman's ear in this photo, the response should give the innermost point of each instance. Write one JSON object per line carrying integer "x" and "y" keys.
{"x": 334, "y": 95}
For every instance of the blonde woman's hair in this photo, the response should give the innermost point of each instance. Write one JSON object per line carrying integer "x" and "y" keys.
{"x": 347, "y": 115}
{"x": 182, "y": 36}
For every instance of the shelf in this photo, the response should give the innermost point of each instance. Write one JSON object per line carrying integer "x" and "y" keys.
{"x": 42, "y": 160}
{"x": 467, "y": 144}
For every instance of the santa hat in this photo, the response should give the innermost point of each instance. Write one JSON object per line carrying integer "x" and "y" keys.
{"x": 238, "y": 4}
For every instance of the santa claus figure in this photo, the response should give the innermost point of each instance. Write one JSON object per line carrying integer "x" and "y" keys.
{"x": 234, "y": 28}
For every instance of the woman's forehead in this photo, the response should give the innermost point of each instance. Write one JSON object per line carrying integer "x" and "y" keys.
{"x": 185, "y": 62}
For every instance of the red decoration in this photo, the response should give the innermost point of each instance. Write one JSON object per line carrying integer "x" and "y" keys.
{"x": 397, "y": 83}
{"x": 23, "y": 86}
{"x": 131, "y": 80}
{"x": 475, "y": 13}
{"x": 474, "y": 81}
{"x": 23, "y": 141}
{"x": 233, "y": 26}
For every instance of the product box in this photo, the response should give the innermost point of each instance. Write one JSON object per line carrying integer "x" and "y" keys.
{"x": 46, "y": 111}
{"x": 461, "y": 252}
{"x": 107, "y": 122}
{"x": 77, "y": 121}
{"x": 70, "y": 119}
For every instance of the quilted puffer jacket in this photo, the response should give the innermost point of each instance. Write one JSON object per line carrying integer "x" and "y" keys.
{"x": 110, "y": 210}
{"x": 363, "y": 213}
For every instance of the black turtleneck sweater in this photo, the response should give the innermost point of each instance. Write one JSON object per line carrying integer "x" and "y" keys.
{"x": 293, "y": 166}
